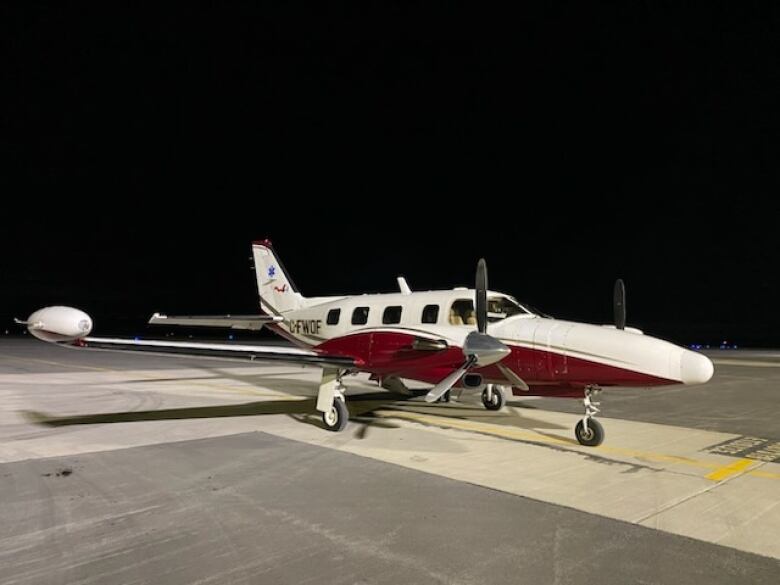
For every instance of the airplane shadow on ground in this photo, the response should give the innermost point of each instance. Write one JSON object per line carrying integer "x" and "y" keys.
{"x": 303, "y": 410}
{"x": 362, "y": 407}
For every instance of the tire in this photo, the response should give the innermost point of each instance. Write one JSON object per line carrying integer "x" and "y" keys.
{"x": 595, "y": 435}
{"x": 336, "y": 420}
{"x": 498, "y": 399}
{"x": 444, "y": 397}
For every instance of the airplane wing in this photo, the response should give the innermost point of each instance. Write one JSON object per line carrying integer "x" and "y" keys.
{"x": 251, "y": 322}
{"x": 272, "y": 353}
{"x": 70, "y": 327}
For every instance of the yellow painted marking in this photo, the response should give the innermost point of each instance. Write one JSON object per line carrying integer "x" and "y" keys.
{"x": 728, "y": 470}
{"x": 720, "y": 471}
{"x": 764, "y": 474}
{"x": 471, "y": 426}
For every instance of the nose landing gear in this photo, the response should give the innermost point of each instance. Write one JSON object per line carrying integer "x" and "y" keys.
{"x": 589, "y": 431}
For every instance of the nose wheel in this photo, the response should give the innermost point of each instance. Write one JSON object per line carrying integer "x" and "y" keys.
{"x": 493, "y": 397}
{"x": 589, "y": 431}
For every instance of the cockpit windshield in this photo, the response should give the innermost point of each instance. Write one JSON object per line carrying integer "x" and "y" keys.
{"x": 502, "y": 307}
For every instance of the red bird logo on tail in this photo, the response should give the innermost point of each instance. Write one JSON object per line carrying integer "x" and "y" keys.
{"x": 281, "y": 289}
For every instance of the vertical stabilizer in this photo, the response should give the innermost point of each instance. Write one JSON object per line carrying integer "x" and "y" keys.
{"x": 277, "y": 291}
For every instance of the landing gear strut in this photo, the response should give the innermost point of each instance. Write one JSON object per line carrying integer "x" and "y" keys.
{"x": 493, "y": 397}
{"x": 589, "y": 431}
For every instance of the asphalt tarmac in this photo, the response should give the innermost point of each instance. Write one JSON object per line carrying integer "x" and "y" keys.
{"x": 127, "y": 468}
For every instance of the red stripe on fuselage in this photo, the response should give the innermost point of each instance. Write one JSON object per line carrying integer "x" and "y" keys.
{"x": 546, "y": 373}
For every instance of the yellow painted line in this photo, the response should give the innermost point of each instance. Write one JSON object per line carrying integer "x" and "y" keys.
{"x": 53, "y": 363}
{"x": 658, "y": 457}
{"x": 226, "y": 388}
{"x": 764, "y": 474}
{"x": 729, "y": 470}
{"x": 719, "y": 473}
{"x": 747, "y": 363}
{"x": 470, "y": 426}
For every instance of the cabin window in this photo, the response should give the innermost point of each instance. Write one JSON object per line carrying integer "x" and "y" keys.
{"x": 333, "y": 316}
{"x": 462, "y": 312}
{"x": 360, "y": 316}
{"x": 430, "y": 314}
{"x": 392, "y": 315}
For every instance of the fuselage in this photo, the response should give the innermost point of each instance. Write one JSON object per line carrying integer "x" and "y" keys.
{"x": 419, "y": 336}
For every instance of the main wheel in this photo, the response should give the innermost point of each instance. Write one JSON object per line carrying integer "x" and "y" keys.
{"x": 444, "y": 397}
{"x": 338, "y": 415}
{"x": 497, "y": 399}
{"x": 593, "y": 437}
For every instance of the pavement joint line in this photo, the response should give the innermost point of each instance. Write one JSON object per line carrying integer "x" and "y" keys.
{"x": 726, "y": 479}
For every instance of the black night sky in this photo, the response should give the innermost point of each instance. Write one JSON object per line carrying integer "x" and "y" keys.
{"x": 143, "y": 149}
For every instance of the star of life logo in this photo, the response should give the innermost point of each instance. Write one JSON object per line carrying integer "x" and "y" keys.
{"x": 272, "y": 272}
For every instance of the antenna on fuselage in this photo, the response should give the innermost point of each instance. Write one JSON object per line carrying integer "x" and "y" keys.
{"x": 403, "y": 286}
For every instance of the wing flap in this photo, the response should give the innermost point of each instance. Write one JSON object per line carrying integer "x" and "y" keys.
{"x": 249, "y": 322}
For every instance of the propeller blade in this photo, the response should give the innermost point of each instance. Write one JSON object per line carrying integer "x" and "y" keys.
{"x": 480, "y": 304}
{"x": 438, "y": 391}
{"x": 619, "y": 304}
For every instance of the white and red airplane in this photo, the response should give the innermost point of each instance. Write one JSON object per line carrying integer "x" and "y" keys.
{"x": 467, "y": 338}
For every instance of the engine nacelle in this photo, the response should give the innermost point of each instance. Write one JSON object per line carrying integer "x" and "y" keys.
{"x": 59, "y": 324}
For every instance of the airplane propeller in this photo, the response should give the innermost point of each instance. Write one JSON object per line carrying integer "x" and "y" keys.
{"x": 480, "y": 295}
{"x": 619, "y": 304}
{"x": 479, "y": 348}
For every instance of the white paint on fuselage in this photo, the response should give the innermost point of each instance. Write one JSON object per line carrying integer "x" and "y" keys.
{"x": 317, "y": 309}
{"x": 595, "y": 343}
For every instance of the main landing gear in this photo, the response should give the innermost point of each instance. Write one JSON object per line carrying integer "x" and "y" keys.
{"x": 493, "y": 397}
{"x": 338, "y": 415}
{"x": 331, "y": 402}
{"x": 589, "y": 431}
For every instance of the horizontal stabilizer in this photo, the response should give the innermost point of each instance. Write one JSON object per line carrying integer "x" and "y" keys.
{"x": 251, "y": 322}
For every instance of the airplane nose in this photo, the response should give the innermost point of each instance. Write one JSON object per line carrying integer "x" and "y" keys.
{"x": 695, "y": 368}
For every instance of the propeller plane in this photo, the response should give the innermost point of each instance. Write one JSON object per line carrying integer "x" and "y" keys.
{"x": 473, "y": 339}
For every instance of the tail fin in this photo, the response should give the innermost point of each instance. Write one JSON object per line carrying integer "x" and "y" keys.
{"x": 277, "y": 291}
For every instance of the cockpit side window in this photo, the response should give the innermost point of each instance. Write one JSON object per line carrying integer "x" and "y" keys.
{"x": 462, "y": 312}
{"x": 333, "y": 316}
